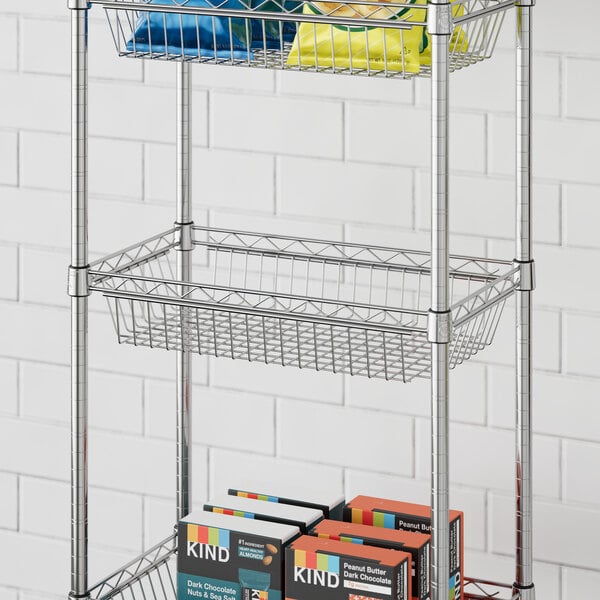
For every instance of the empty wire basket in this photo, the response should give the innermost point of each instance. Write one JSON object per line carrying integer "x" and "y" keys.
{"x": 311, "y": 304}
{"x": 356, "y": 37}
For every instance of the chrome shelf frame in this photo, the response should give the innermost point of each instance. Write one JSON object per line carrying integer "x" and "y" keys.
{"x": 149, "y": 571}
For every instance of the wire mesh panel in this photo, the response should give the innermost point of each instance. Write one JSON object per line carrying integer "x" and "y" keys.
{"x": 481, "y": 589}
{"x": 312, "y": 304}
{"x": 151, "y": 576}
{"x": 356, "y": 37}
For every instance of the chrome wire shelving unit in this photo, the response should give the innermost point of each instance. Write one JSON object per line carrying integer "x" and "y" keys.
{"x": 378, "y": 312}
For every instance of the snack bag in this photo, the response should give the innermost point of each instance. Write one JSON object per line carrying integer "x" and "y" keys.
{"x": 271, "y": 34}
{"x": 192, "y": 35}
{"x": 374, "y": 48}
{"x": 212, "y": 36}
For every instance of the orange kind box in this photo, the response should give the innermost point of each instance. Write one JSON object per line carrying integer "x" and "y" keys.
{"x": 393, "y": 514}
{"x": 319, "y": 569}
{"x": 416, "y": 544}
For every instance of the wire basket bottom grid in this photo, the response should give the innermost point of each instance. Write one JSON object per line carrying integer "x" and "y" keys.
{"x": 288, "y": 342}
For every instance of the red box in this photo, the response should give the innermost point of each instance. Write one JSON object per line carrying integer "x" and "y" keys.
{"x": 393, "y": 514}
{"x": 416, "y": 544}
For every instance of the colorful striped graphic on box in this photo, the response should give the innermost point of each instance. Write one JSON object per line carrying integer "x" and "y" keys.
{"x": 317, "y": 560}
{"x": 233, "y": 513}
{"x": 340, "y": 538}
{"x": 263, "y": 497}
{"x": 372, "y": 517}
{"x": 208, "y": 535}
{"x": 263, "y": 596}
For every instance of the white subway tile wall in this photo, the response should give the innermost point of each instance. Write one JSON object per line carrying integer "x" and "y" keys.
{"x": 337, "y": 158}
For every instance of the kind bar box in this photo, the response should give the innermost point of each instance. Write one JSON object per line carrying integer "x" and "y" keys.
{"x": 222, "y": 557}
{"x": 299, "y": 516}
{"x": 393, "y": 514}
{"x": 331, "y": 507}
{"x": 416, "y": 544}
{"x": 318, "y": 569}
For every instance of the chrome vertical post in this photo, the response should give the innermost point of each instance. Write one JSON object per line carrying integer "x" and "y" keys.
{"x": 524, "y": 543}
{"x": 79, "y": 292}
{"x": 184, "y": 250}
{"x": 440, "y": 28}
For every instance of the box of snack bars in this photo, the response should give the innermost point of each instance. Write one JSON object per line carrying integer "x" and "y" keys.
{"x": 407, "y": 516}
{"x": 416, "y": 544}
{"x": 331, "y": 506}
{"x": 319, "y": 569}
{"x": 222, "y": 557}
{"x": 299, "y": 516}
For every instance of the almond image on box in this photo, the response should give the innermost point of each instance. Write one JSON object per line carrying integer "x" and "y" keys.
{"x": 393, "y": 514}
{"x": 416, "y": 544}
{"x": 319, "y": 569}
{"x": 221, "y": 557}
{"x": 299, "y": 516}
{"x": 331, "y": 507}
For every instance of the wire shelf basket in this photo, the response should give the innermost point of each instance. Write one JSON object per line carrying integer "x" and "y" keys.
{"x": 355, "y": 37}
{"x": 151, "y": 576}
{"x": 312, "y": 304}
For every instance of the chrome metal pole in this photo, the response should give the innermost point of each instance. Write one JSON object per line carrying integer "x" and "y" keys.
{"x": 78, "y": 290}
{"x": 524, "y": 508}
{"x": 440, "y": 27}
{"x": 184, "y": 250}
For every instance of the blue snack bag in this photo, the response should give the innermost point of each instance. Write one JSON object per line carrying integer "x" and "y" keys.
{"x": 193, "y": 35}
{"x": 274, "y": 31}
{"x": 212, "y": 36}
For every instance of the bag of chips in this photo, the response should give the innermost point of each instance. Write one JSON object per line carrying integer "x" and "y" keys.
{"x": 367, "y": 48}
{"x": 211, "y": 36}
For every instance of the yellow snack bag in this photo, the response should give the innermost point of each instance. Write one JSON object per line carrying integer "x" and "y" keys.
{"x": 373, "y": 48}
{"x": 367, "y": 48}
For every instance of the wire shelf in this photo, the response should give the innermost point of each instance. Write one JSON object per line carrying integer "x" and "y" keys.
{"x": 311, "y": 304}
{"x": 352, "y": 37}
{"x": 151, "y": 576}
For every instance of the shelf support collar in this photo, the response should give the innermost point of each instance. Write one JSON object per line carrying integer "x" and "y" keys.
{"x": 439, "y": 327}
{"x": 79, "y": 4}
{"x": 439, "y": 19}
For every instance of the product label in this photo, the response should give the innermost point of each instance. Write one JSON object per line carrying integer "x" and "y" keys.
{"x": 322, "y": 576}
{"x": 419, "y": 564}
{"x": 241, "y": 566}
